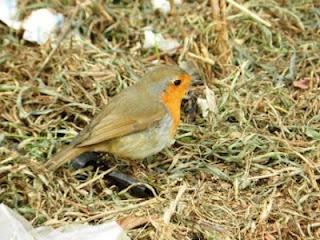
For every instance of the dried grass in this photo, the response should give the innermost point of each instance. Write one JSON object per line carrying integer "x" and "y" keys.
{"x": 250, "y": 171}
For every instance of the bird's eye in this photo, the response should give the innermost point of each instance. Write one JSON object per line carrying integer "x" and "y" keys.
{"x": 177, "y": 82}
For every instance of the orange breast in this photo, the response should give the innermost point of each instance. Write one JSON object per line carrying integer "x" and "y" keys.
{"x": 173, "y": 106}
{"x": 172, "y": 98}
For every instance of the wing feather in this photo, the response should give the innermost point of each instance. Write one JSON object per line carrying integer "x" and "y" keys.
{"x": 120, "y": 118}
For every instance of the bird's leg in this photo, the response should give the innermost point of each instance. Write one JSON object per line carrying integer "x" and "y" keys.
{"x": 88, "y": 159}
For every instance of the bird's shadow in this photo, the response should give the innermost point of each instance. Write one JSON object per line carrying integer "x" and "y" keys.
{"x": 135, "y": 187}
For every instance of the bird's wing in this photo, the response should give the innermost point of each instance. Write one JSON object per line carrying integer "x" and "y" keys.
{"x": 119, "y": 118}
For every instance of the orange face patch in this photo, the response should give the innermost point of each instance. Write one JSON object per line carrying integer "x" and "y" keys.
{"x": 185, "y": 78}
{"x": 172, "y": 98}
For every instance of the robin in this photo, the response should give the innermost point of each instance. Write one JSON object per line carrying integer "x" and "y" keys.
{"x": 140, "y": 121}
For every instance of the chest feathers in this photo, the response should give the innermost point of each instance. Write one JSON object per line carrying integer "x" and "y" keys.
{"x": 172, "y": 101}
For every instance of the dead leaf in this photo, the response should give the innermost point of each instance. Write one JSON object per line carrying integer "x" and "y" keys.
{"x": 208, "y": 104}
{"x": 131, "y": 222}
{"x": 211, "y": 99}
{"x": 303, "y": 83}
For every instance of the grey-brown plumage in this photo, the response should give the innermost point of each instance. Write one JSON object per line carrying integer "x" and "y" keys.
{"x": 134, "y": 124}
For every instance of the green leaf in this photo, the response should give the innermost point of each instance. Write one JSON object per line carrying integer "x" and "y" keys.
{"x": 312, "y": 133}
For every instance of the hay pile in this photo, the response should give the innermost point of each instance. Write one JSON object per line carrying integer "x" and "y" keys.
{"x": 249, "y": 170}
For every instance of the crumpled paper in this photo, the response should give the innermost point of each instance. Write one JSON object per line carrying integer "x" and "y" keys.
{"x": 164, "y": 6}
{"x": 8, "y": 14}
{"x": 152, "y": 39}
{"x": 161, "y": 5}
{"x": 14, "y": 226}
{"x": 38, "y": 27}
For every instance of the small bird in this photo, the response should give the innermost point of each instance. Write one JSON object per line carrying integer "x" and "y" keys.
{"x": 138, "y": 122}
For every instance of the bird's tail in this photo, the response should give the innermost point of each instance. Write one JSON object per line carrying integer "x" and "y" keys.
{"x": 67, "y": 154}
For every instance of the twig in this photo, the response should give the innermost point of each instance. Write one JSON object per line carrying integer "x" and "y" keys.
{"x": 119, "y": 210}
{"x": 92, "y": 180}
{"x": 203, "y": 59}
{"x": 173, "y": 205}
{"x": 220, "y": 28}
{"x": 250, "y": 13}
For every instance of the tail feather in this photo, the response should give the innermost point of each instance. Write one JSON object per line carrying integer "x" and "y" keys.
{"x": 65, "y": 155}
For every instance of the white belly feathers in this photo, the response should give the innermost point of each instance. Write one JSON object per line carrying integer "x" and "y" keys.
{"x": 142, "y": 144}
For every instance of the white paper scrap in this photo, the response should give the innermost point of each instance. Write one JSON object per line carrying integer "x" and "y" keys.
{"x": 14, "y": 226}
{"x": 207, "y": 105}
{"x": 161, "y": 5}
{"x": 152, "y": 39}
{"x": 8, "y": 13}
{"x": 40, "y": 25}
